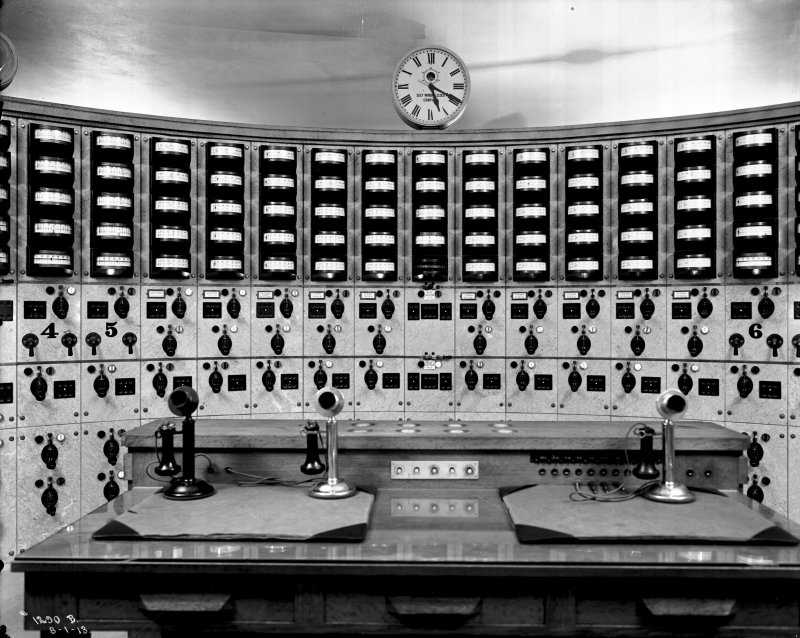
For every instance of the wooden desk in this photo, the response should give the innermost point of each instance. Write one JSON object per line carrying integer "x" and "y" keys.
{"x": 433, "y": 561}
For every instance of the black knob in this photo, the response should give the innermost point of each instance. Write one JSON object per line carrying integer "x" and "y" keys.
{"x": 387, "y": 308}
{"x": 286, "y": 307}
{"x": 122, "y": 307}
{"x": 705, "y": 307}
{"x": 766, "y": 307}
{"x": 69, "y": 341}
{"x": 744, "y": 385}
{"x": 49, "y": 500}
{"x": 574, "y": 380}
{"x": 277, "y": 342}
{"x": 234, "y": 307}
{"x": 774, "y": 341}
{"x": 160, "y": 384}
{"x": 637, "y": 344}
{"x": 371, "y": 378}
{"x": 93, "y": 340}
{"x": 695, "y": 345}
{"x": 584, "y": 344}
{"x": 488, "y": 308}
{"x": 215, "y": 381}
{"x": 755, "y": 452}
{"x": 111, "y": 489}
{"x": 523, "y": 379}
{"x": 628, "y": 382}
{"x": 101, "y": 385}
{"x": 179, "y": 307}
{"x": 268, "y": 379}
{"x": 39, "y": 388}
{"x": 755, "y": 492}
{"x": 796, "y": 344}
{"x": 685, "y": 383}
{"x": 592, "y": 308}
{"x": 337, "y": 307}
{"x": 129, "y": 339}
{"x": 60, "y": 306}
{"x": 225, "y": 344}
{"x": 169, "y": 344}
{"x": 379, "y": 342}
{"x": 471, "y": 379}
{"x": 531, "y": 343}
{"x": 320, "y": 378}
{"x": 479, "y": 343}
{"x": 50, "y": 455}
{"x": 647, "y": 308}
{"x": 328, "y": 342}
{"x": 737, "y": 341}
{"x": 540, "y": 308}
{"x": 111, "y": 449}
{"x": 30, "y": 341}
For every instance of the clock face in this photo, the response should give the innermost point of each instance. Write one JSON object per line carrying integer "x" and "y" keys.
{"x": 430, "y": 88}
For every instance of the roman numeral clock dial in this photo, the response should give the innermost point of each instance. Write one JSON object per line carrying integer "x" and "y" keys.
{"x": 430, "y": 88}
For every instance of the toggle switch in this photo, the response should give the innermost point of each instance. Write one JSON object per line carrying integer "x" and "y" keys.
{"x": 685, "y": 382}
{"x": 234, "y": 307}
{"x": 371, "y": 377}
{"x": 93, "y": 340}
{"x": 479, "y": 342}
{"x": 179, "y": 306}
{"x": 737, "y": 341}
{"x": 50, "y": 498}
{"x": 224, "y": 343}
{"x": 337, "y": 307}
{"x": 774, "y": 341}
{"x": 30, "y": 341}
{"x": 129, "y": 339}
{"x": 111, "y": 449}
{"x": 169, "y": 344}
{"x": 215, "y": 380}
{"x": 277, "y": 342}
{"x": 69, "y": 341}
{"x": 592, "y": 307}
{"x": 387, "y": 307}
{"x": 705, "y": 307}
{"x": 320, "y": 377}
{"x": 60, "y": 306}
{"x": 39, "y": 386}
{"x": 796, "y": 344}
{"x": 755, "y": 492}
{"x": 745, "y": 384}
{"x": 584, "y": 343}
{"x": 328, "y": 341}
{"x": 766, "y": 306}
{"x": 111, "y": 488}
{"x": 268, "y": 378}
{"x": 471, "y": 378}
{"x": 540, "y": 307}
{"x": 122, "y": 307}
{"x": 647, "y": 307}
{"x": 755, "y": 452}
{"x": 379, "y": 342}
{"x": 50, "y": 454}
{"x": 574, "y": 379}
{"x": 488, "y": 308}
{"x": 101, "y": 384}
{"x": 160, "y": 382}
{"x": 523, "y": 378}
{"x": 637, "y": 343}
{"x": 695, "y": 344}
{"x": 531, "y": 342}
{"x": 286, "y": 306}
{"x": 628, "y": 380}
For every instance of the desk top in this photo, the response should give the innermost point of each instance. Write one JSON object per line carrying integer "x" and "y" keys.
{"x": 421, "y": 531}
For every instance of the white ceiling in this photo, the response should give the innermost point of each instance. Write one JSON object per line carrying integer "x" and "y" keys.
{"x": 327, "y": 63}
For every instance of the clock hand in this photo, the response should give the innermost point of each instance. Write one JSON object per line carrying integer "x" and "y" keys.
{"x": 435, "y": 99}
{"x": 445, "y": 93}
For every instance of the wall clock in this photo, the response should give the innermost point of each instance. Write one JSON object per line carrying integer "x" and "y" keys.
{"x": 430, "y": 88}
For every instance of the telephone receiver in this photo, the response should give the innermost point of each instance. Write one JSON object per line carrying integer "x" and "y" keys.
{"x": 328, "y": 402}
{"x": 183, "y": 401}
{"x": 671, "y": 404}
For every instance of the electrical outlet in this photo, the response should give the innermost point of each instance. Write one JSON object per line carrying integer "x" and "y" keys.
{"x": 434, "y": 470}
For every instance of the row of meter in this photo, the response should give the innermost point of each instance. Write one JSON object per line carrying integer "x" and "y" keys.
{"x": 52, "y": 475}
{"x": 704, "y": 207}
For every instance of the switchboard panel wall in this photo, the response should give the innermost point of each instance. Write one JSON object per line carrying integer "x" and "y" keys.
{"x": 504, "y": 276}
